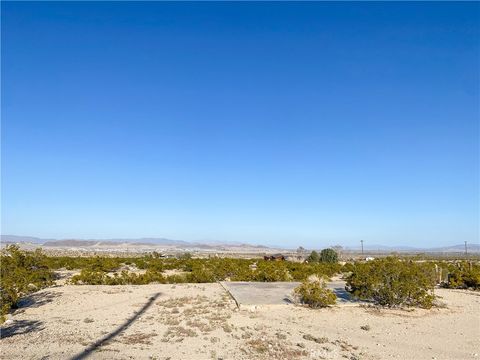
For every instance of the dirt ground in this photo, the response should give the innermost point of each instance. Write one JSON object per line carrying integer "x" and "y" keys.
{"x": 201, "y": 321}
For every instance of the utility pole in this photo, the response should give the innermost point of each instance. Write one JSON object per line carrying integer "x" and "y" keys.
{"x": 466, "y": 252}
{"x": 362, "y": 246}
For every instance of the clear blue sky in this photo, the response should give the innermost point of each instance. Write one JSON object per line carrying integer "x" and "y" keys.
{"x": 276, "y": 123}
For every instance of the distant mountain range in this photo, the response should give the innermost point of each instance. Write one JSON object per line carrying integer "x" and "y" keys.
{"x": 22, "y": 239}
{"x": 117, "y": 242}
{"x": 472, "y": 248}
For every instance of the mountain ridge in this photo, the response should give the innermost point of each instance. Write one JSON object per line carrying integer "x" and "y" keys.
{"x": 145, "y": 241}
{"x": 153, "y": 241}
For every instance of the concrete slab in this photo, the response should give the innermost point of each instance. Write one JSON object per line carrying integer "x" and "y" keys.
{"x": 276, "y": 293}
{"x": 260, "y": 293}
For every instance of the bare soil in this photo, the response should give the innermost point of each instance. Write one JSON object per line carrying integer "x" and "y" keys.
{"x": 201, "y": 321}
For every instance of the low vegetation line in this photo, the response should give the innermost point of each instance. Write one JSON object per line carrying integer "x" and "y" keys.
{"x": 390, "y": 281}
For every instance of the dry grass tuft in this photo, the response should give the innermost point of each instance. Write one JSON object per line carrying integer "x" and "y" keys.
{"x": 270, "y": 348}
{"x": 203, "y": 327}
{"x": 321, "y": 340}
{"x": 178, "y": 333}
{"x": 138, "y": 338}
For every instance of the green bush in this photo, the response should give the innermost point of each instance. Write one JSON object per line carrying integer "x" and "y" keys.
{"x": 328, "y": 256}
{"x": 313, "y": 257}
{"x": 198, "y": 270}
{"x": 463, "y": 275}
{"x": 301, "y": 271}
{"x": 347, "y": 268}
{"x": 269, "y": 271}
{"x": 185, "y": 256}
{"x": 314, "y": 293}
{"x": 392, "y": 282}
{"x": 21, "y": 273}
{"x": 89, "y": 277}
{"x": 94, "y": 263}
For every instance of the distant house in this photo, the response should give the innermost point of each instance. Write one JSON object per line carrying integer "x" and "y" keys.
{"x": 275, "y": 257}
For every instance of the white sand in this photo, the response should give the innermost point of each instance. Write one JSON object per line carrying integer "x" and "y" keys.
{"x": 201, "y": 322}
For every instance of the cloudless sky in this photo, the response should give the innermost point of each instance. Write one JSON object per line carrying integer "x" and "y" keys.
{"x": 292, "y": 124}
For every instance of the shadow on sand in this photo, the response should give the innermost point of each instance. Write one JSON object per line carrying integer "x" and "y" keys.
{"x": 17, "y": 327}
{"x": 20, "y": 327}
{"x": 104, "y": 340}
{"x": 37, "y": 299}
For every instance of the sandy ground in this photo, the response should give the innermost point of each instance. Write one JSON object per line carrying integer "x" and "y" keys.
{"x": 201, "y": 321}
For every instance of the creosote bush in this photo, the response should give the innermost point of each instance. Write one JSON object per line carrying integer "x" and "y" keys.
{"x": 313, "y": 257}
{"x": 328, "y": 256}
{"x": 314, "y": 293}
{"x": 192, "y": 270}
{"x": 21, "y": 273}
{"x": 463, "y": 275}
{"x": 393, "y": 282}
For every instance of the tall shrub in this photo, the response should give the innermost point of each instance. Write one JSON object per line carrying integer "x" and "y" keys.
{"x": 21, "y": 273}
{"x": 314, "y": 293}
{"x": 328, "y": 256}
{"x": 313, "y": 257}
{"x": 393, "y": 282}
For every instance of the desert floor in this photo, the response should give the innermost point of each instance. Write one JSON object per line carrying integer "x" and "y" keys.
{"x": 201, "y": 321}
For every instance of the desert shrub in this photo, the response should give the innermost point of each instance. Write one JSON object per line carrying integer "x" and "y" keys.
{"x": 201, "y": 273}
{"x": 142, "y": 263}
{"x": 463, "y": 275}
{"x": 185, "y": 256}
{"x": 103, "y": 270}
{"x": 268, "y": 271}
{"x": 313, "y": 257}
{"x": 196, "y": 271}
{"x": 155, "y": 265}
{"x": 176, "y": 279}
{"x": 94, "y": 263}
{"x": 347, "y": 268}
{"x": 208, "y": 270}
{"x": 21, "y": 273}
{"x": 392, "y": 282}
{"x": 328, "y": 256}
{"x": 314, "y": 293}
{"x": 301, "y": 271}
{"x": 89, "y": 277}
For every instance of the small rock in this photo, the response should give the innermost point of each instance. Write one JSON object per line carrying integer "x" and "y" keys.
{"x": 301, "y": 345}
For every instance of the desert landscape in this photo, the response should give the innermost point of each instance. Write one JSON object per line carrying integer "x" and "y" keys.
{"x": 239, "y": 180}
{"x": 70, "y": 319}
{"x": 201, "y": 321}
